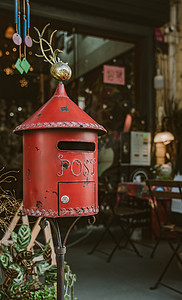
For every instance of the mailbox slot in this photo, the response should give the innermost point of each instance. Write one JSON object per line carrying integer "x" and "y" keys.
{"x": 76, "y": 146}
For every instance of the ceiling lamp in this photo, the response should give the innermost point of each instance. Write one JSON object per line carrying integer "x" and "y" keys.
{"x": 165, "y": 137}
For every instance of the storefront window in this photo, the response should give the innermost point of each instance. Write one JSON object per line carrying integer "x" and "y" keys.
{"x": 91, "y": 59}
{"x": 107, "y": 103}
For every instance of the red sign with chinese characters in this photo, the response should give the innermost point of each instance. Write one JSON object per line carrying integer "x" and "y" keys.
{"x": 114, "y": 75}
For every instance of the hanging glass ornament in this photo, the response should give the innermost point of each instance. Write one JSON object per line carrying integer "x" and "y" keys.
{"x": 22, "y": 65}
{"x": 28, "y": 39}
{"x": 17, "y": 39}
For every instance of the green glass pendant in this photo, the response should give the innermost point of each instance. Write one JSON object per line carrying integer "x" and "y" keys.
{"x": 18, "y": 66}
{"x": 25, "y": 65}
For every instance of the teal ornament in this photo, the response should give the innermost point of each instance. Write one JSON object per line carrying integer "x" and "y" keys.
{"x": 25, "y": 65}
{"x": 18, "y": 66}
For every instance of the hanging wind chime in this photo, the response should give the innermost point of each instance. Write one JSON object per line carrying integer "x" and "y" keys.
{"x": 22, "y": 65}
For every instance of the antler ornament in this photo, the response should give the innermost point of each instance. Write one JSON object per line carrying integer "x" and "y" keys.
{"x": 59, "y": 70}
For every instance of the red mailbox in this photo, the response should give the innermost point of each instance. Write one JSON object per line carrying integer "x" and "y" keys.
{"x": 60, "y": 173}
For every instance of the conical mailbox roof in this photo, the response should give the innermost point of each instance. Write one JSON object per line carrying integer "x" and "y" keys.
{"x": 60, "y": 112}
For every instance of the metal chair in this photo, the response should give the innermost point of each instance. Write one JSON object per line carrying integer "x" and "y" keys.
{"x": 132, "y": 213}
{"x": 127, "y": 214}
{"x": 107, "y": 199}
{"x": 160, "y": 191}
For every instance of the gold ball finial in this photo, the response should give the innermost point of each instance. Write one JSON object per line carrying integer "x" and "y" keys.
{"x": 60, "y": 71}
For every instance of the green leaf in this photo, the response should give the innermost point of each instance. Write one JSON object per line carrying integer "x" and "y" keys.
{"x": 42, "y": 267}
{"x": 11, "y": 273}
{"x": 41, "y": 251}
{"x": 47, "y": 255}
{"x": 53, "y": 268}
{"x": 2, "y": 293}
{"x": 27, "y": 265}
{"x": 24, "y": 236}
{"x": 19, "y": 279}
{"x": 50, "y": 276}
{"x": 12, "y": 289}
{"x": 27, "y": 285}
{"x": 6, "y": 249}
{"x": 4, "y": 258}
{"x": 44, "y": 292}
{"x": 14, "y": 239}
{"x": 24, "y": 254}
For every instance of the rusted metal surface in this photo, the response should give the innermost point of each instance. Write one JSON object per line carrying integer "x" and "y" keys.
{"x": 71, "y": 212}
{"x": 60, "y": 168}
{"x": 60, "y": 112}
{"x": 59, "y": 182}
{"x": 58, "y": 125}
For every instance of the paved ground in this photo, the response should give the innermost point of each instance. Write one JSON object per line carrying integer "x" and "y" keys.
{"x": 126, "y": 277}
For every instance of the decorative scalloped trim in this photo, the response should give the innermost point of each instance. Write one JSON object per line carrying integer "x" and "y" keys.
{"x": 59, "y": 125}
{"x": 71, "y": 212}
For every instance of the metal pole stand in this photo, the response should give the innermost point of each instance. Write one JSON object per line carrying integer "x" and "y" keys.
{"x": 60, "y": 250}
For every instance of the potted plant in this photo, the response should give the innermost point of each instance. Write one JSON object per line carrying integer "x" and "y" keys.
{"x": 28, "y": 274}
